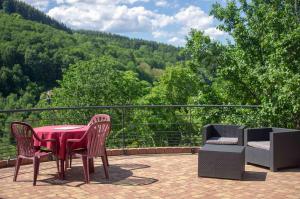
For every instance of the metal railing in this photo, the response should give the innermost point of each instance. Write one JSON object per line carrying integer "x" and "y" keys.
{"x": 133, "y": 125}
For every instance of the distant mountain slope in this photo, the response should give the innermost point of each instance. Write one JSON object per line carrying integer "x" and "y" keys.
{"x": 30, "y": 13}
{"x": 128, "y": 42}
{"x": 32, "y": 52}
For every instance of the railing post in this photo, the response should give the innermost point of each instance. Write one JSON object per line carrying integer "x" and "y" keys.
{"x": 123, "y": 131}
{"x": 190, "y": 126}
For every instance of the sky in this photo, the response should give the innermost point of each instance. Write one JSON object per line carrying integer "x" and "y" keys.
{"x": 166, "y": 21}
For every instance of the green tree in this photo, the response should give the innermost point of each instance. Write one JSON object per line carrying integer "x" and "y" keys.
{"x": 205, "y": 55}
{"x": 166, "y": 127}
{"x": 101, "y": 81}
{"x": 262, "y": 66}
{"x": 8, "y": 6}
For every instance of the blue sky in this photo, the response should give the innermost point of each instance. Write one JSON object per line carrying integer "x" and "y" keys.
{"x": 167, "y": 21}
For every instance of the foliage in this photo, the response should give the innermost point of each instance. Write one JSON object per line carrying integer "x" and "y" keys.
{"x": 163, "y": 126}
{"x": 30, "y": 13}
{"x": 33, "y": 52}
{"x": 262, "y": 67}
{"x": 205, "y": 56}
{"x": 102, "y": 81}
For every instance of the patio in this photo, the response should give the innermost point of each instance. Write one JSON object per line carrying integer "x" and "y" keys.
{"x": 148, "y": 176}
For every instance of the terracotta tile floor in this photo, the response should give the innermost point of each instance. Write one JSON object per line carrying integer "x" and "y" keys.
{"x": 148, "y": 176}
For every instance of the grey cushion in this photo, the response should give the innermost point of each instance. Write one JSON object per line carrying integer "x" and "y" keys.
{"x": 222, "y": 140}
{"x": 260, "y": 144}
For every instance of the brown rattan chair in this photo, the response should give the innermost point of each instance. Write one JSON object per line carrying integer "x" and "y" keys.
{"x": 95, "y": 118}
{"x": 25, "y": 135}
{"x": 96, "y": 137}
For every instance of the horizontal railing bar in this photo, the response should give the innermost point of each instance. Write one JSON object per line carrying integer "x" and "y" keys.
{"x": 128, "y": 107}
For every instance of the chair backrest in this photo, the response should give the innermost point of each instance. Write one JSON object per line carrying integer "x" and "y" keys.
{"x": 96, "y": 136}
{"x": 24, "y": 133}
{"x": 225, "y": 130}
{"x": 99, "y": 118}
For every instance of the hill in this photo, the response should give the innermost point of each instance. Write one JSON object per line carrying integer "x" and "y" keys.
{"x": 34, "y": 55}
{"x": 30, "y": 13}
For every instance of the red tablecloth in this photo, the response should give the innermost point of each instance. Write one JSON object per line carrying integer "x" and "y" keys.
{"x": 61, "y": 135}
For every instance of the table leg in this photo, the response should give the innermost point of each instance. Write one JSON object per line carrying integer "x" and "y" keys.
{"x": 62, "y": 169}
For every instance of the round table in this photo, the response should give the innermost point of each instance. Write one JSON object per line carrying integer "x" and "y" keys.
{"x": 61, "y": 133}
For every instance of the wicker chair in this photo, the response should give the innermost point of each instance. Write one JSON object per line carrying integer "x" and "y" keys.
{"x": 96, "y": 136}
{"x": 24, "y": 135}
{"x": 223, "y": 134}
{"x": 275, "y": 148}
{"x": 95, "y": 118}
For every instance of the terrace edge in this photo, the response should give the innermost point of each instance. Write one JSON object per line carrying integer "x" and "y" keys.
{"x": 118, "y": 152}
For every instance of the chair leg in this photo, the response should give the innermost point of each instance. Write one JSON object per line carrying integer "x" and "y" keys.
{"x": 105, "y": 166}
{"x": 273, "y": 169}
{"x": 91, "y": 165}
{"x": 86, "y": 169}
{"x": 106, "y": 156}
{"x": 17, "y": 167}
{"x": 70, "y": 165}
{"x": 36, "y": 164}
{"x": 67, "y": 162}
{"x": 57, "y": 164}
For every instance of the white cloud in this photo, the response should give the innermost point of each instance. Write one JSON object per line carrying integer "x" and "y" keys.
{"x": 126, "y": 16}
{"x": 161, "y": 3}
{"x": 161, "y": 34}
{"x": 161, "y": 20}
{"x": 97, "y": 2}
{"x": 39, "y": 4}
{"x": 185, "y": 19}
{"x": 176, "y": 41}
{"x": 193, "y": 17}
{"x": 214, "y": 32}
{"x": 109, "y": 17}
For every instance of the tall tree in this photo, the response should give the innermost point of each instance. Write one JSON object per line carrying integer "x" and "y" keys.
{"x": 204, "y": 55}
{"x": 262, "y": 66}
{"x": 8, "y": 6}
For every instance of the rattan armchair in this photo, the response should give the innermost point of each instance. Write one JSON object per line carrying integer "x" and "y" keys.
{"x": 275, "y": 148}
{"x": 212, "y": 131}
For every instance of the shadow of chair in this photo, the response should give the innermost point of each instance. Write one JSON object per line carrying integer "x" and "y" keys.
{"x": 254, "y": 176}
{"x": 120, "y": 174}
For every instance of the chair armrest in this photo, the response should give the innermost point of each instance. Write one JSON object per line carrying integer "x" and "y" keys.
{"x": 206, "y": 133}
{"x": 285, "y": 149}
{"x": 241, "y": 132}
{"x": 55, "y": 150}
{"x": 73, "y": 140}
{"x": 70, "y": 142}
{"x": 49, "y": 140}
{"x": 242, "y": 127}
{"x": 257, "y": 134}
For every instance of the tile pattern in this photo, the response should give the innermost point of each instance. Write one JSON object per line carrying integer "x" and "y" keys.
{"x": 148, "y": 176}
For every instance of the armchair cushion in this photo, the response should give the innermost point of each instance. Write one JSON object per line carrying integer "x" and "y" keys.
{"x": 260, "y": 144}
{"x": 222, "y": 140}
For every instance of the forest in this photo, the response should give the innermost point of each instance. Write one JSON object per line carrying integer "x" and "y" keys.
{"x": 260, "y": 66}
